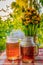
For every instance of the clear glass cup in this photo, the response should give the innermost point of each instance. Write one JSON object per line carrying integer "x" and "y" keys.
{"x": 13, "y": 49}
{"x": 29, "y": 50}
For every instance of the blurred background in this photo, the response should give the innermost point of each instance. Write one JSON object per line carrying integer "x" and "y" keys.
{"x": 11, "y": 12}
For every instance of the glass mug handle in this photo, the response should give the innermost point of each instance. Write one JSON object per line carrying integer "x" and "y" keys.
{"x": 36, "y": 50}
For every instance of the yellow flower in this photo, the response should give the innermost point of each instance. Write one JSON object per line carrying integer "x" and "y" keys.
{"x": 36, "y": 22}
{"x": 28, "y": 9}
{"x": 25, "y": 23}
{"x": 29, "y": 13}
{"x": 34, "y": 17}
{"x": 27, "y": 19}
{"x": 30, "y": 20}
{"x": 38, "y": 17}
{"x": 26, "y": 13}
{"x": 33, "y": 10}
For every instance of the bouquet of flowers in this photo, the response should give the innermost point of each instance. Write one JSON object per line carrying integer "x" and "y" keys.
{"x": 31, "y": 21}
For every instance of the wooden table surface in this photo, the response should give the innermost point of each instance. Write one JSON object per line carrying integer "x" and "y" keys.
{"x": 38, "y": 60}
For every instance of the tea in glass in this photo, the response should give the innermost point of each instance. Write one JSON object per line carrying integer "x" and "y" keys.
{"x": 12, "y": 49}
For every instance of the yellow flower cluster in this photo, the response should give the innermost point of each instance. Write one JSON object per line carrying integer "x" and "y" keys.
{"x": 31, "y": 16}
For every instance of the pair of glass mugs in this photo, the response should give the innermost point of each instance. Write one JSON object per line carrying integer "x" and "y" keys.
{"x": 25, "y": 49}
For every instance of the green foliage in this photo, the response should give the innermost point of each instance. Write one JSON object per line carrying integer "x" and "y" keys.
{"x": 2, "y": 43}
{"x": 40, "y": 32}
{"x": 41, "y": 2}
{"x": 14, "y": 5}
{"x": 5, "y": 29}
{"x": 13, "y": 22}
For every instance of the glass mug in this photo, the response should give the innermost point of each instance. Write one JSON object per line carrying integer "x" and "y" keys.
{"x": 29, "y": 50}
{"x": 12, "y": 49}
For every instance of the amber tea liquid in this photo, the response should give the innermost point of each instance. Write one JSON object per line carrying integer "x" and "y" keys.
{"x": 12, "y": 51}
{"x": 27, "y": 53}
